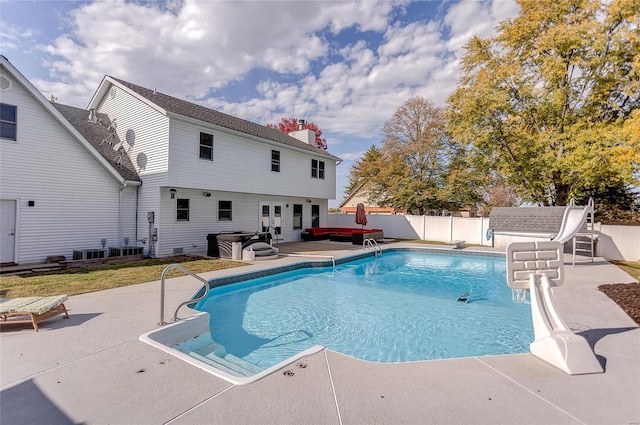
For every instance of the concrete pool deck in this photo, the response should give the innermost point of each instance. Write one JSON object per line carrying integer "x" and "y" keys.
{"x": 92, "y": 369}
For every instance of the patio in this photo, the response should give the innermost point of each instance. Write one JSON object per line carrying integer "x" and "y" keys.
{"x": 92, "y": 369}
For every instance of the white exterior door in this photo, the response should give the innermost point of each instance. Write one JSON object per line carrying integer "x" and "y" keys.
{"x": 272, "y": 219}
{"x": 7, "y": 230}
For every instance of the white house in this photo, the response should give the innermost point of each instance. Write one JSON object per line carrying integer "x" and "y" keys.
{"x": 159, "y": 171}
{"x": 58, "y": 192}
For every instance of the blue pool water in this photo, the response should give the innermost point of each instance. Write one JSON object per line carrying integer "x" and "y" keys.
{"x": 395, "y": 308}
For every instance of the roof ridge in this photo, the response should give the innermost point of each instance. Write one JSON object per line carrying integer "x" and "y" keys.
{"x": 202, "y": 113}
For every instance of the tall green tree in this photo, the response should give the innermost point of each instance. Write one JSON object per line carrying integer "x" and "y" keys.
{"x": 365, "y": 169}
{"x": 416, "y": 154}
{"x": 551, "y": 102}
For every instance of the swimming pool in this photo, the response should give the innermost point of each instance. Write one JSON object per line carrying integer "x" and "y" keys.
{"x": 399, "y": 307}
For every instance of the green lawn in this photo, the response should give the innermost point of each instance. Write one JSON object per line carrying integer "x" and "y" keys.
{"x": 97, "y": 278}
{"x": 631, "y": 267}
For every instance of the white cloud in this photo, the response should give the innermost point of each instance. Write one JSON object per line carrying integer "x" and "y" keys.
{"x": 469, "y": 18}
{"x": 12, "y": 37}
{"x": 352, "y": 156}
{"x": 365, "y": 15}
{"x": 190, "y": 48}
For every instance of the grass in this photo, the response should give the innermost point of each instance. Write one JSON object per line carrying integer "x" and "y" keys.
{"x": 100, "y": 277}
{"x": 631, "y": 267}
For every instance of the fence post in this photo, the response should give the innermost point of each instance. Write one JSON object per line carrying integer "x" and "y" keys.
{"x": 451, "y": 228}
{"x": 424, "y": 228}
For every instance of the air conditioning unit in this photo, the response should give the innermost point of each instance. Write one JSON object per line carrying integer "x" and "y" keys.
{"x": 88, "y": 254}
{"x": 122, "y": 251}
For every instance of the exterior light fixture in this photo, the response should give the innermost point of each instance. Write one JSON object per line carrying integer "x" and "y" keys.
{"x": 173, "y": 193}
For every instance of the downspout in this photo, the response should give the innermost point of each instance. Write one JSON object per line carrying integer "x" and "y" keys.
{"x": 124, "y": 184}
{"x": 136, "y": 219}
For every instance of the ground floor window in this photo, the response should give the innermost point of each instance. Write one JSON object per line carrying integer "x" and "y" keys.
{"x": 225, "y": 211}
{"x": 297, "y": 216}
{"x": 182, "y": 209}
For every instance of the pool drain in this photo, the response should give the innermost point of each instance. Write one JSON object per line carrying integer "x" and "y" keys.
{"x": 288, "y": 373}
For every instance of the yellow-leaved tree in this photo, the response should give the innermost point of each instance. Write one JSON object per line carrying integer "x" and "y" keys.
{"x": 552, "y": 101}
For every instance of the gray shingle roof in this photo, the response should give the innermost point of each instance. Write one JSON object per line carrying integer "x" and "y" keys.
{"x": 526, "y": 219}
{"x": 201, "y": 113}
{"x": 96, "y": 134}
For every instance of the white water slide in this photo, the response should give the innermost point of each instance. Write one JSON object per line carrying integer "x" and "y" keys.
{"x": 538, "y": 268}
{"x": 573, "y": 221}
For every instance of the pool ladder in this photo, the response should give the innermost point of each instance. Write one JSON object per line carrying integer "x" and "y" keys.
{"x": 162, "y": 285}
{"x": 371, "y": 243}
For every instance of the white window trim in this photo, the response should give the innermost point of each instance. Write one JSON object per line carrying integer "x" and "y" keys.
{"x": 200, "y": 145}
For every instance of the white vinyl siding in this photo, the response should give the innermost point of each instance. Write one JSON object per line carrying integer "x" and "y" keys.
{"x": 144, "y": 131}
{"x": 149, "y": 201}
{"x": 76, "y": 201}
{"x": 239, "y": 173}
{"x": 191, "y": 236}
{"x": 128, "y": 212}
{"x": 240, "y": 165}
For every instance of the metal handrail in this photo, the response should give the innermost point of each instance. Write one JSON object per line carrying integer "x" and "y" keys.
{"x": 162, "y": 285}
{"x": 373, "y": 244}
{"x": 333, "y": 260}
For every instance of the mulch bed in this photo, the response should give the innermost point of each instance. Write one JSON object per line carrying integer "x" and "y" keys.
{"x": 626, "y": 295}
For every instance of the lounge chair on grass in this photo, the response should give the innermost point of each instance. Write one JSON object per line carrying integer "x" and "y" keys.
{"x": 32, "y": 310}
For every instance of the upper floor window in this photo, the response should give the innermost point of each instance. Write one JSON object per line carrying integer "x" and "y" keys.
{"x": 297, "y": 216}
{"x": 8, "y": 122}
{"x": 182, "y": 210}
{"x": 206, "y": 146}
{"x": 317, "y": 169}
{"x": 224, "y": 211}
{"x": 275, "y": 161}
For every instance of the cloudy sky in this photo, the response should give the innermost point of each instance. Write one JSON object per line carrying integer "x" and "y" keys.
{"x": 347, "y": 66}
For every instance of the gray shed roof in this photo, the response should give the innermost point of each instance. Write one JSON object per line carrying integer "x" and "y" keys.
{"x": 526, "y": 219}
{"x": 201, "y": 113}
{"x": 96, "y": 134}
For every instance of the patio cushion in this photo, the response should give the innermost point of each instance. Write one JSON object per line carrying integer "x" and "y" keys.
{"x": 35, "y": 305}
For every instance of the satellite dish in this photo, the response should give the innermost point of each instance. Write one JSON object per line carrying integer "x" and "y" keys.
{"x": 117, "y": 146}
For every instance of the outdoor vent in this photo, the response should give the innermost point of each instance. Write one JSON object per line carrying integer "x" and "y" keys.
{"x": 5, "y": 83}
{"x": 178, "y": 251}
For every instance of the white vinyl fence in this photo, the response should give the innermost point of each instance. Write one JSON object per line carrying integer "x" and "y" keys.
{"x": 614, "y": 242}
